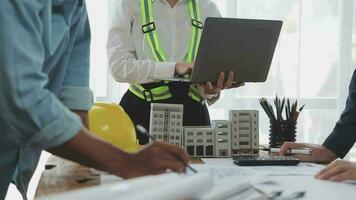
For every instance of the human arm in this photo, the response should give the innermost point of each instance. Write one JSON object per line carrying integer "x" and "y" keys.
{"x": 338, "y": 171}
{"x": 340, "y": 141}
{"x": 123, "y": 61}
{"x": 343, "y": 137}
{"x": 39, "y": 119}
{"x": 319, "y": 153}
{"x": 153, "y": 159}
{"x": 211, "y": 92}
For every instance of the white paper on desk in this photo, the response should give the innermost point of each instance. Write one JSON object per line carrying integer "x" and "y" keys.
{"x": 229, "y": 181}
{"x": 315, "y": 189}
{"x": 161, "y": 187}
{"x": 306, "y": 169}
{"x": 303, "y": 169}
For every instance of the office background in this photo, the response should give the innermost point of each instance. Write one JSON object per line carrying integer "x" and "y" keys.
{"x": 313, "y": 63}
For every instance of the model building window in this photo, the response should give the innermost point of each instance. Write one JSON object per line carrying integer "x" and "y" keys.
{"x": 160, "y": 115}
{"x": 200, "y": 150}
{"x": 209, "y": 150}
{"x": 223, "y": 152}
{"x": 190, "y": 150}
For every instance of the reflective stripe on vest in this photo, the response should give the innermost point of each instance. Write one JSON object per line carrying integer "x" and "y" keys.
{"x": 149, "y": 30}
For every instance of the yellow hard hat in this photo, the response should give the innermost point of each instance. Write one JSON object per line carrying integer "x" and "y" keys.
{"x": 110, "y": 122}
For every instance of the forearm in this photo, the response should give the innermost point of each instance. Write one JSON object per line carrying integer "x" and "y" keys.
{"x": 341, "y": 140}
{"x": 91, "y": 151}
{"x": 84, "y": 116}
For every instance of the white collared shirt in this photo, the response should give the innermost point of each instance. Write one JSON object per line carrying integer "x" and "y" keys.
{"x": 130, "y": 58}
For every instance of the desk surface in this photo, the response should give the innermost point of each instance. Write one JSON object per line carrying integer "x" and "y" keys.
{"x": 62, "y": 175}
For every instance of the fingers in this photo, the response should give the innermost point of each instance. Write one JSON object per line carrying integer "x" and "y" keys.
{"x": 347, "y": 175}
{"x": 230, "y": 79}
{"x": 220, "y": 83}
{"x": 210, "y": 89}
{"x": 173, "y": 165}
{"x": 330, "y": 172}
{"x": 209, "y": 86}
{"x": 326, "y": 169}
{"x": 290, "y": 145}
{"x": 176, "y": 151}
{"x": 338, "y": 171}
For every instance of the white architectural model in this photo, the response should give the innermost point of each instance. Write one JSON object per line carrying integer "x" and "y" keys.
{"x": 222, "y": 138}
{"x": 239, "y": 136}
{"x": 166, "y": 122}
{"x": 199, "y": 141}
{"x": 244, "y": 132}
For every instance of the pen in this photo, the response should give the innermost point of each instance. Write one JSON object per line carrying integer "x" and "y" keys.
{"x": 304, "y": 151}
{"x": 142, "y": 130}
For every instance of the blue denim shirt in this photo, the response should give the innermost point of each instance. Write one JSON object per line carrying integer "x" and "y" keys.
{"x": 44, "y": 73}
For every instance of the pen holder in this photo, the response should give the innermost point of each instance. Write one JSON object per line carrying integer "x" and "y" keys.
{"x": 282, "y": 131}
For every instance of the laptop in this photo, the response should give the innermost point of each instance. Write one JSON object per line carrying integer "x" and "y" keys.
{"x": 245, "y": 46}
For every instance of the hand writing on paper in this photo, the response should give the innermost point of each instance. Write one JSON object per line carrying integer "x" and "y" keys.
{"x": 220, "y": 85}
{"x": 338, "y": 171}
{"x": 320, "y": 154}
{"x": 156, "y": 158}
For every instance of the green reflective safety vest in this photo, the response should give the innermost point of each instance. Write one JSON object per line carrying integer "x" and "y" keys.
{"x": 149, "y": 30}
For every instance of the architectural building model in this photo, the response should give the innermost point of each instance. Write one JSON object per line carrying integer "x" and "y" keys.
{"x": 199, "y": 141}
{"x": 222, "y": 135}
{"x": 244, "y": 132}
{"x": 238, "y": 136}
{"x": 166, "y": 122}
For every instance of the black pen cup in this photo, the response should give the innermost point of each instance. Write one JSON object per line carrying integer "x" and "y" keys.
{"x": 282, "y": 131}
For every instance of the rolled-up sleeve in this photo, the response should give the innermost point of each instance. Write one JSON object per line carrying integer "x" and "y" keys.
{"x": 32, "y": 112}
{"x": 75, "y": 93}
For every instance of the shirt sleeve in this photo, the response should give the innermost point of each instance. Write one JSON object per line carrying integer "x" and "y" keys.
{"x": 75, "y": 93}
{"x": 123, "y": 62}
{"x": 34, "y": 115}
{"x": 343, "y": 137}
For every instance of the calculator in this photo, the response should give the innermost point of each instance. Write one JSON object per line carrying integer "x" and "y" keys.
{"x": 266, "y": 161}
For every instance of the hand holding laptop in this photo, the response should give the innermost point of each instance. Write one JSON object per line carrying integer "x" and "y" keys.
{"x": 182, "y": 69}
{"x": 209, "y": 88}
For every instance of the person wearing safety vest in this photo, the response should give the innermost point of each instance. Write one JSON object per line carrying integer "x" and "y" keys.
{"x": 151, "y": 41}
